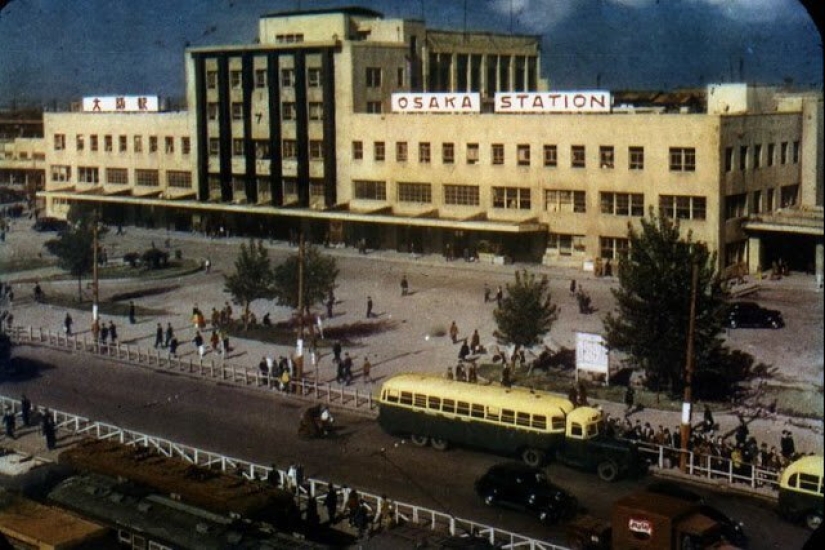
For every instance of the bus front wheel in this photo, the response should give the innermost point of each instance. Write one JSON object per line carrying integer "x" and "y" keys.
{"x": 533, "y": 457}
{"x": 608, "y": 471}
{"x": 419, "y": 440}
{"x": 813, "y": 520}
{"x": 439, "y": 444}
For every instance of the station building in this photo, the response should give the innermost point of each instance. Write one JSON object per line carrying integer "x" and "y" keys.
{"x": 350, "y": 126}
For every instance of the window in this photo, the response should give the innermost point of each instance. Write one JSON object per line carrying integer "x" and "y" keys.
{"x": 153, "y": 144}
{"x": 424, "y": 152}
{"x": 235, "y": 79}
{"x": 789, "y": 195}
{"x": 316, "y": 110}
{"x": 88, "y": 174}
{"x": 577, "y": 156}
{"x": 743, "y": 157}
{"x": 682, "y": 159}
{"x": 461, "y": 195}
{"x": 314, "y": 77}
{"x": 211, "y": 79}
{"x": 357, "y": 150}
{"x": 756, "y": 203}
{"x": 551, "y": 155}
{"x": 237, "y": 147}
{"x": 107, "y": 144}
{"x": 472, "y": 153}
{"x": 497, "y": 150}
{"x": 61, "y": 172}
{"x": 523, "y": 154}
{"x": 562, "y": 200}
{"x": 728, "y": 159}
{"x": 138, "y": 148}
{"x": 795, "y": 154}
{"x": 399, "y": 77}
{"x": 59, "y": 142}
{"x": 415, "y": 192}
{"x": 214, "y": 146}
{"x": 122, "y": 144}
{"x": 757, "y": 156}
{"x": 185, "y": 145}
{"x": 169, "y": 144}
{"x": 80, "y": 142}
{"x": 237, "y": 111}
{"x": 261, "y": 149}
{"x": 622, "y": 204}
{"x": 290, "y": 38}
{"x": 448, "y": 153}
{"x": 783, "y": 153}
{"x": 771, "y": 153}
{"x": 401, "y": 151}
{"x": 565, "y": 244}
{"x": 636, "y": 157}
{"x": 117, "y": 176}
{"x": 379, "y": 151}
{"x": 288, "y": 110}
{"x": 511, "y": 198}
{"x": 374, "y": 107}
{"x": 316, "y": 149}
{"x": 290, "y": 186}
{"x": 613, "y": 247}
{"x": 148, "y": 178}
{"x": 735, "y": 206}
{"x": 682, "y": 207}
{"x": 290, "y": 149}
{"x": 373, "y": 77}
{"x": 606, "y": 156}
{"x": 769, "y": 200}
{"x": 370, "y": 190}
{"x": 93, "y": 142}
{"x": 287, "y": 78}
{"x": 179, "y": 179}
{"x": 212, "y": 111}
{"x": 260, "y": 78}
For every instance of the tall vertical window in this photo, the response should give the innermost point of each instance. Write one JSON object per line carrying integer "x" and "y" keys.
{"x": 783, "y": 153}
{"x": 401, "y": 151}
{"x": 373, "y": 77}
{"x": 260, "y": 78}
{"x": 235, "y": 79}
{"x": 212, "y": 79}
{"x": 497, "y": 150}
{"x": 316, "y": 149}
{"x": 59, "y": 142}
{"x": 93, "y": 142}
{"x": 728, "y": 159}
{"x": 357, "y": 150}
{"x": 212, "y": 111}
{"x": 79, "y": 142}
{"x": 108, "y": 144}
{"x": 287, "y": 110}
{"x": 287, "y": 78}
{"x": 153, "y": 144}
{"x": 138, "y": 144}
{"x": 316, "y": 110}
{"x": 237, "y": 147}
{"x": 169, "y": 144}
{"x": 606, "y": 156}
{"x": 122, "y": 144}
{"x": 214, "y": 146}
{"x": 757, "y": 156}
{"x": 682, "y": 159}
{"x": 185, "y": 145}
{"x": 636, "y": 156}
{"x": 743, "y": 157}
{"x": 237, "y": 110}
{"x": 795, "y": 152}
{"x": 771, "y": 153}
{"x": 290, "y": 149}
{"x": 424, "y": 152}
{"x": 314, "y": 77}
{"x": 551, "y": 155}
{"x": 379, "y": 151}
{"x": 448, "y": 153}
{"x": 472, "y": 153}
{"x": 523, "y": 154}
{"x": 577, "y": 156}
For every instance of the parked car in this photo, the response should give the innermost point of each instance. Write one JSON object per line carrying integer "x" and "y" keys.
{"x": 517, "y": 485}
{"x": 752, "y": 315}
{"x": 50, "y": 224}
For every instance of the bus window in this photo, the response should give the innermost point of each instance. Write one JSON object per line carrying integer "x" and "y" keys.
{"x": 523, "y": 419}
{"x": 492, "y": 413}
{"x": 558, "y": 424}
{"x": 576, "y": 430}
{"x": 434, "y": 403}
{"x": 508, "y": 416}
{"x": 808, "y": 482}
{"x": 592, "y": 430}
{"x": 420, "y": 400}
{"x": 406, "y": 398}
{"x": 477, "y": 411}
{"x": 391, "y": 396}
{"x": 448, "y": 405}
{"x": 540, "y": 422}
{"x": 463, "y": 408}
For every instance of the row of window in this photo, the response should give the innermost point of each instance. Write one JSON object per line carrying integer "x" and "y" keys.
{"x": 108, "y": 143}
{"x": 682, "y": 159}
{"x": 313, "y": 78}
{"x": 120, "y": 176}
{"x": 609, "y": 247}
{"x": 315, "y": 110}
{"x": 752, "y": 157}
{"x": 738, "y": 206}
{"x": 289, "y": 148}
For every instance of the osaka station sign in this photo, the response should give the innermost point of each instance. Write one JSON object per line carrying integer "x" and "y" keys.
{"x": 553, "y": 102}
{"x": 121, "y": 104}
{"x": 436, "y": 103}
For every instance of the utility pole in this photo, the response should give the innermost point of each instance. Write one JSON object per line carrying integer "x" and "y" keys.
{"x": 686, "y": 404}
{"x": 299, "y": 345}
{"x": 95, "y": 285}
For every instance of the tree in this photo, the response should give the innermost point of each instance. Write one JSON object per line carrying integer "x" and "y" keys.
{"x": 320, "y": 273}
{"x": 74, "y": 251}
{"x": 253, "y": 277}
{"x": 653, "y": 304}
{"x": 527, "y": 312}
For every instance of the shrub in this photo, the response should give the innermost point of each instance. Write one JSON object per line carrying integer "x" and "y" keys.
{"x": 178, "y": 254}
{"x": 131, "y": 258}
{"x": 154, "y": 258}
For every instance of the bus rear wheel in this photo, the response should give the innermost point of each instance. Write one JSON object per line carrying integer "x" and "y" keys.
{"x": 813, "y": 520}
{"x": 439, "y": 444}
{"x": 533, "y": 457}
{"x": 419, "y": 440}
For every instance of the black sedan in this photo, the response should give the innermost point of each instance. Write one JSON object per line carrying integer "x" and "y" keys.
{"x": 516, "y": 485}
{"x": 752, "y": 315}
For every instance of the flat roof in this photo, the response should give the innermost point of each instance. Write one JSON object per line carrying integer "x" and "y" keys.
{"x": 345, "y": 10}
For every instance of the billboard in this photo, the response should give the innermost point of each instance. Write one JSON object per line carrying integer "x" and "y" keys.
{"x": 591, "y": 353}
{"x": 120, "y": 104}
{"x": 436, "y": 103}
{"x": 553, "y": 102}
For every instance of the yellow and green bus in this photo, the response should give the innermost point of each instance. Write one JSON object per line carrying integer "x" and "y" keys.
{"x": 535, "y": 425}
{"x": 800, "y": 491}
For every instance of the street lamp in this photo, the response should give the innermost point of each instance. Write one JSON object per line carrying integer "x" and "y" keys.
{"x": 95, "y": 283}
{"x": 686, "y": 405}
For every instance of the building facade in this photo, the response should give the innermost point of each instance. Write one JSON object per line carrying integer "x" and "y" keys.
{"x": 297, "y": 132}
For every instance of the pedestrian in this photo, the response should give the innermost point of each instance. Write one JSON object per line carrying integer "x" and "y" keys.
{"x": 472, "y": 374}
{"x": 159, "y": 336}
{"x": 25, "y": 410}
{"x": 450, "y": 375}
{"x": 454, "y": 332}
{"x": 464, "y": 351}
{"x": 572, "y": 286}
{"x": 113, "y": 332}
{"x": 104, "y": 332}
{"x": 214, "y": 341}
{"x": 486, "y": 293}
{"x": 38, "y": 292}
{"x": 369, "y": 306}
{"x": 346, "y": 366}
{"x": 366, "y": 368}
{"x": 311, "y": 518}
{"x": 475, "y": 342}
{"x": 48, "y": 429}
{"x": 67, "y": 324}
{"x": 499, "y": 296}
{"x": 169, "y": 335}
{"x": 9, "y": 422}
{"x": 786, "y": 445}
{"x": 131, "y": 312}
{"x": 173, "y": 346}
{"x": 331, "y": 504}
{"x": 629, "y": 399}
{"x": 330, "y": 303}
{"x": 405, "y": 286}
{"x": 460, "y": 375}
{"x": 207, "y": 265}
{"x": 505, "y": 376}
{"x": 707, "y": 421}
{"x": 198, "y": 341}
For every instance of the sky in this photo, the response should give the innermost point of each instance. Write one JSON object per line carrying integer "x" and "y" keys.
{"x": 59, "y": 50}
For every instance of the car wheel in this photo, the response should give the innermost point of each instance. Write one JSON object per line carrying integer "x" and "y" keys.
{"x": 490, "y": 499}
{"x": 533, "y": 457}
{"x": 419, "y": 440}
{"x": 813, "y": 520}
{"x": 608, "y": 471}
{"x": 439, "y": 444}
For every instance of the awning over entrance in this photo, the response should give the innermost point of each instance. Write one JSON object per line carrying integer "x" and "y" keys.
{"x": 798, "y": 221}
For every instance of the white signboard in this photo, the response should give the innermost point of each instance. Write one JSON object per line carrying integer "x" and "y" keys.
{"x": 553, "y": 102}
{"x": 591, "y": 353}
{"x": 436, "y": 103}
{"x": 120, "y": 103}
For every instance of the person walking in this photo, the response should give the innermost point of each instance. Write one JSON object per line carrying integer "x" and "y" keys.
{"x": 629, "y": 400}
{"x": 454, "y": 332}
{"x": 475, "y": 342}
{"x": 113, "y": 332}
{"x": 486, "y": 293}
{"x": 173, "y": 346}
{"x": 131, "y": 312}
{"x": 331, "y": 504}
{"x": 67, "y": 324}
{"x": 47, "y": 428}
{"x": 9, "y": 422}
{"x": 25, "y": 410}
{"x": 159, "y": 336}
{"x": 369, "y": 307}
{"x": 170, "y": 334}
{"x": 198, "y": 341}
{"x": 499, "y": 296}
{"x": 405, "y": 286}
{"x": 366, "y": 369}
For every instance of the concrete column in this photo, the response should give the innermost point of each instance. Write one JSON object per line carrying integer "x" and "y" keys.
{"x": 498, "y": 73}
{"x": 482, "y": 78}
{"x": 453, "y": 71}
{"x": 754, "y": 255}
{"x": 511, "y": 73}
{"x": 820, "y": 263}
{"x": 425, "y": 68}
